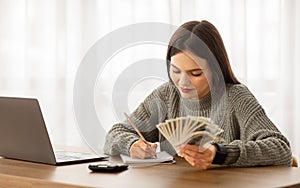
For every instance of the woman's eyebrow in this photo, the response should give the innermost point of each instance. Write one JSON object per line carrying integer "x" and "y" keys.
{"x": 174, "y": 66}
{"x": 191, "y": 70}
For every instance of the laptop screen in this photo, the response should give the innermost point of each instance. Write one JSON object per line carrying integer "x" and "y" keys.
{"x": 23, "y": 134}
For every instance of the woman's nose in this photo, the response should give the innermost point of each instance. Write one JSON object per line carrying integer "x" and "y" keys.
{"x": 184, "y": 80}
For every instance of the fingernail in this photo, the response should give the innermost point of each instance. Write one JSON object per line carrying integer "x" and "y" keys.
{"x": 180, "y": 154}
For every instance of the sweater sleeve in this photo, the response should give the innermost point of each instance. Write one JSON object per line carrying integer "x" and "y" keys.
{"x": 147, "y": 115}
{"x": 260, "y": 142}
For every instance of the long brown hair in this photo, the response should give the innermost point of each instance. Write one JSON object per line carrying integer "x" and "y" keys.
{"x": 211, "y": 47}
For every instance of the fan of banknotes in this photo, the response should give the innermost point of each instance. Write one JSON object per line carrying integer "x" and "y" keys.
{"x": 189, "y": 130}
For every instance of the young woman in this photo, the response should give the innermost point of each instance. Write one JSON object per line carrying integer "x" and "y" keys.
{"x": 203, "y": 84}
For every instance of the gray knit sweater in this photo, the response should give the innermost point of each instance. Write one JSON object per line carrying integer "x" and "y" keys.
{"x": 250, "y": 137}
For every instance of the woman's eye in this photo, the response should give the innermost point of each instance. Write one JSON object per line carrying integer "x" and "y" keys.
{"x": 175, "y": 71}
{"x": 197, "y": 73}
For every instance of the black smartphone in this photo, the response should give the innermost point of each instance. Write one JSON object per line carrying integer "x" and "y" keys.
{"x": 108, "y": 167}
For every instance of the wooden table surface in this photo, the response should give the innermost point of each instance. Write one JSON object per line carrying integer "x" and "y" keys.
{"x": 14, "y": 173}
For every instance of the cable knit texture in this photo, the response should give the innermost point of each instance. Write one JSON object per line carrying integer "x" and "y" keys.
{"x": 250, "y": 137}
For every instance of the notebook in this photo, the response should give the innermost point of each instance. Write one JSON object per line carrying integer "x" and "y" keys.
{"x": 161, "y": 157}
{"x": 24, "y": 136}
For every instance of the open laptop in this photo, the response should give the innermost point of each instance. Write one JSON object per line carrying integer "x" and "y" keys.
{"x": 24, "y": 136}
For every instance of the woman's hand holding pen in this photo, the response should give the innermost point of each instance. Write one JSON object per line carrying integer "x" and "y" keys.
{"x": 197, "y": 158}
{"x": 142, "y": 150}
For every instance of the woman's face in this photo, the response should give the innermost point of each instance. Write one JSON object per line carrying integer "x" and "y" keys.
{"x": 191, "y": 75}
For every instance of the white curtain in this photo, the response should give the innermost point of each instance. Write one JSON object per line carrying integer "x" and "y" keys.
{"x": 42, "y": 43}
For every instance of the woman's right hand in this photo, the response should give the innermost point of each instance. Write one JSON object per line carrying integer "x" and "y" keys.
{"x": 142, "y": 150}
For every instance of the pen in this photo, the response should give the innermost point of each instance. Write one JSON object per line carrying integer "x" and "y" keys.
{"x": 138, "y": 132}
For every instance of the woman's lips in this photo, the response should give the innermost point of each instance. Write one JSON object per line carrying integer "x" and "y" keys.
{"x": 186, "y": 90}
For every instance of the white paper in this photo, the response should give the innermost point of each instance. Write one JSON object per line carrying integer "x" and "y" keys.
{"x": 162, "y": 156}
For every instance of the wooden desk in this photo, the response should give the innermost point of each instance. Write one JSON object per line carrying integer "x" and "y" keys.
{"x": 15, "y": 173}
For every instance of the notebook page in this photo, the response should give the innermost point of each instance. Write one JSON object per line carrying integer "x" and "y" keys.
{"x": 162, "y": 156}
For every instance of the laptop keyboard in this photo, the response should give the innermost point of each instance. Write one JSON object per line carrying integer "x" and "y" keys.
{"x": 68, "y": 155}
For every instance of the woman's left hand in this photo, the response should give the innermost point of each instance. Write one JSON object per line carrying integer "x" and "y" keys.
{"x": 196, "y": 157}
